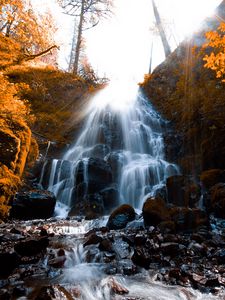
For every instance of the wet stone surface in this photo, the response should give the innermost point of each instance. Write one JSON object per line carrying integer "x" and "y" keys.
{"x": 46, "y": 259}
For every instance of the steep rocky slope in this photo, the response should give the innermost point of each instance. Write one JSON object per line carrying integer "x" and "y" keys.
{"x": 191, "y": 98}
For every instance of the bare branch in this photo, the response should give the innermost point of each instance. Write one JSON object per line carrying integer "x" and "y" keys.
{"x": 27, "y": 57}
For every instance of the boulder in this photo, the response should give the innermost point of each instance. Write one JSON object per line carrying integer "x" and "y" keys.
{"x": 91, "y": 206}
{"x": 115, "y": 160}
{"x": 92, "y": 239}
{"x": 96, "y": 170}
{"x": 98, "y": 151}
{"x": 8, "y": 262}
{"x": 182, "y": 191}
{"x": 31, "y": 247}
{"x": 211, "y": 177}
{"x": 155, "y": 211}
{"x": 121, "y": 216}
{"x": 187, "y": 219}
{"x": 141, "y": 257}
{"x": 217, "y": 197}
{"x": 35, "y": 204}
{"x": 110, "y": 197}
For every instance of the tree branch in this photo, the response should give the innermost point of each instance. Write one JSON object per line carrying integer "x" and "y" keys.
{"x": 27, "y": 57}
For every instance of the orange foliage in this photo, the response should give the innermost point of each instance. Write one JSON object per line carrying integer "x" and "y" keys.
{"x": 216, "y": 59}
{"x": 18, "y": 21}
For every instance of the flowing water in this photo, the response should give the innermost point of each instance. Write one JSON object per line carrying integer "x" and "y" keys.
{"x": 86, "y": 276}
{"x": 124, "y": 132}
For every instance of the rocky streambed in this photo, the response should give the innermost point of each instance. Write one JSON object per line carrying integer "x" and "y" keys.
{"x": 80, "y": 259}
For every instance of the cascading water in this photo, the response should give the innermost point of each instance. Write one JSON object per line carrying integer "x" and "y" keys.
{"x": 120, "y": 150}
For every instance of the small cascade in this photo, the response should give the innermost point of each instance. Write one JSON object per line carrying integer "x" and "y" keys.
{"x": 118, "y": 157}
{"x": 76, "y": 266}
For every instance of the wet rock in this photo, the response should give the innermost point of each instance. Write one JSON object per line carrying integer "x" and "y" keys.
{"x": 97, "y": 171}
{"x": 155, "y": 211}
{"x": 167, "y": 227}
{"x": 220, "y": 256}
{"x": 129, "y": 238}
{"x": 43, "y": 232}
{"x": 127, "y": 267}
{"x": 43, "y": 169}
{"x": 91, "y": 206}
{"x": 115, "y": 160}
{"x": 92, "y": 239}
{"x": 59, "y": 260}
{"x": 18, "y": 292}
{"x": 175, "y": 273}
{"x": 15, "y": 231}
{"x": 106, "y": 245}
{"x": 212, "y": 282}
{"x": 110, "y": 197}
{"x": 170, "y": 249}
{"x": 43, "y": 293}
{"x": 116, "y": 287}
{"x": 98, "y": 151}
{"x": 182, "y": 191}
{"x": 187, "y": 219}
{"x": 211, "y": 177}
{"x": 8, "y": 262}
{"x": 31, "y": 247}
{"x": 197, "y": 248}
{"x": 141, "y": 257}
{"x": 139, "y": 239}
{"x": 121, "y": 248}
{"x": 35, "y": 204}
{"x": 4, "y": 294}
{"x": 217, "y": 195}
{"x": 121, "y": 216}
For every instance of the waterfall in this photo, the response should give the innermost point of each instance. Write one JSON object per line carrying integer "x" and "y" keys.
{"x": 119, "y": 155}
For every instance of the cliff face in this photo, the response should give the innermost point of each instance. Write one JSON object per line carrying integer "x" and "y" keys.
{"x": 191, "y": 98}
{"x": 15, "y": 142}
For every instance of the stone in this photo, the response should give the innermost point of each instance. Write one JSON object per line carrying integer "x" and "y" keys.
{"x": 120, "y": 217}
{"x": 106, "y": 245}
{"x": 110, "y": 197}
{"x": 170, "y": 249}
{"x": 141, "y": 257}
{"x": 217, "y": 197}
{"x": 35, "y": 204}
{"x": 220, "y": 256}
{"x": 92, "y": 239}
{"x": 182, "y": 191}
{"x": 116, "y": 287}
{"x": 98, "y": 151}
{"x": 96, "y": 169}
{"x": 155, "y": 211}
{"x": 121, "y": 248}
{"x": 167, "y": 227}
{"x": 4, "y": 294}
{"x": 91, "y": 207}
{"x": 31, "y": 247}
{"x": 8, "y": 262}
{"x": 211, "y": 177}
{"x": 188, "y": 219}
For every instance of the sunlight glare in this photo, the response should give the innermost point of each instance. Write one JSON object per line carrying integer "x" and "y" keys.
{"x": 118, "y": 94}
{"x": 121, "y": 45}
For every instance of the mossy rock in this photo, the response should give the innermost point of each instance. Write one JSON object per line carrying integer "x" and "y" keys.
{"x": 211, "y": 177}
{"x": 155, "y": 211}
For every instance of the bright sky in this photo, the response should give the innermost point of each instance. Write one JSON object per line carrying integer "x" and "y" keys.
{"x": 121, "y": 45}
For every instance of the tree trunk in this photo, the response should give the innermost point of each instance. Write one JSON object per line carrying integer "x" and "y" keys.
{"x": 79, "y": 38}
{"x": 165, "y": 43}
